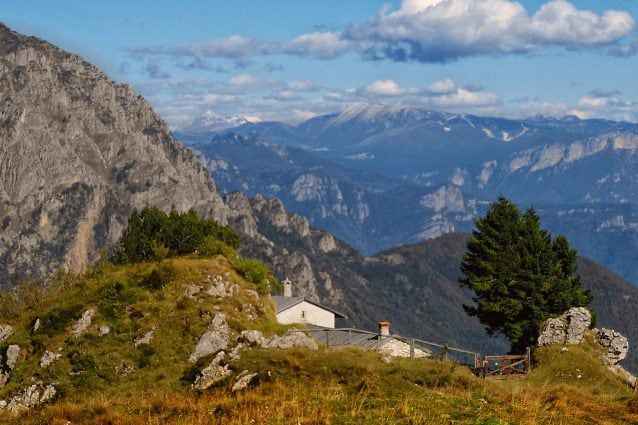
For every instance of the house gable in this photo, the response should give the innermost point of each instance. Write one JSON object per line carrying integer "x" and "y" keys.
{"x": 306, "y": 312}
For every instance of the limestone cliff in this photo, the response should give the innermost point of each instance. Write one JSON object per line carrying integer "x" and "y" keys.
{"x": 77, "y": 153}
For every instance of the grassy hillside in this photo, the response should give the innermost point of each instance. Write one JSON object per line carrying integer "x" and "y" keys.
{"x": 108, "y": 380}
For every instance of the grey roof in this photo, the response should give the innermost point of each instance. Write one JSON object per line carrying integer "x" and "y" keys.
{"x": 284, "y": 303}
{"x": 345, "y": 337}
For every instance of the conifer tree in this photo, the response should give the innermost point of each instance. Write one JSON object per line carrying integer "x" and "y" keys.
{"x": 519, "y": 275}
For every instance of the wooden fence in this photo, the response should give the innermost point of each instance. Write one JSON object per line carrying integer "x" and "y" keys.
{"x": 506, "y": 367}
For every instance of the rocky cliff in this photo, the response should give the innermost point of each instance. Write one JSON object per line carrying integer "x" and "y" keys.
{"x": 77, "y": 153}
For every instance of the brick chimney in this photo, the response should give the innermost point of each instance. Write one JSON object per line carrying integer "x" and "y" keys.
{"x": 384, "y": 328}
{"x": 287, "y": 288}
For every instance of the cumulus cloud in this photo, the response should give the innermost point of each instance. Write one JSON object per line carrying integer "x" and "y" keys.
{"x": 441, "y": 87}
{"x": 444, "y": 30}
{"x": 385, "y": 88}
{"x": 321, "y": 45}
{"x": 301, "y": 85}
{"x": 466, "y": 98}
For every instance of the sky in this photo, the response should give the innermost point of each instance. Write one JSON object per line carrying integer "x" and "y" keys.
{"x": 290, "y": 60}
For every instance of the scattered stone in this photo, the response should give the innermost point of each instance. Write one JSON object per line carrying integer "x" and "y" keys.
{"x": 234, "y": 355}
{"x": 36, "y": 325}
{"x": 615, "y": 345}
{"x": 31, "y": 396}
{"x": 13, "y": 353}
{"x": 221, "y": 288}
{"x": 252, "y": 338}
{"x": 146, "y": 339}
{"x": 213, "y": 340}
{"x": 5, "y": 332}
{"x": 564, "y": 350}
{"x": 49, "y": 357}
{"x": 243, "y": 380}
{"x": 103, "y": 330}
{"x": 252, "y": 293}
{"x": 191, "y": 291}
{"x": 568, "y": 328}
{"x": 124, "y": 370}
{"x": 83, "y": 323}
{"x": 293, "y": 339}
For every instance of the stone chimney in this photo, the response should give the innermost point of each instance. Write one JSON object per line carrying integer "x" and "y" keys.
{"x": 287, "y": 288}
{"x": 384, "y": 328}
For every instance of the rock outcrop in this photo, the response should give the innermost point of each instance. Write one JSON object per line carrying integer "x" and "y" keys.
{"x": 78, "y": 153}
{"x": 568, "y": 328}
{"x": 614, "y": 344}
{"x": 213, "y": 340}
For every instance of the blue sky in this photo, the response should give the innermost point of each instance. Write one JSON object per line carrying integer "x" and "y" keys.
{"x": 289, "y": 60}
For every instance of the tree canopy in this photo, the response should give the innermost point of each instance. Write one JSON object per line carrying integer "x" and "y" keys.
{"x": 519, "y": 274}
{"x": 152, "y": 234}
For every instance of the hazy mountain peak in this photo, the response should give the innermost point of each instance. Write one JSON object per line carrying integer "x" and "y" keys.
{"x": 211, "y": 121}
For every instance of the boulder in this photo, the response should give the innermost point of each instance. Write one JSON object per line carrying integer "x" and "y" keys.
{"x": 5, "y": 332}
{"x": 31, "y": 396}
{"x": 243, "y": 380}
{"x": 145, "y": 339}
{"x": 213, "y": 373}
{"x": 615, "y": 345}
{"x": 396, "y": 348}
{"x": 252, "y": 338}
{"x": 83, "y": 323}
{"x": 568, "y": 328}
{"x": 213, "y": 340}
{"x": 49, "y": 357}
{"x": 291, "y": 340}
{"x": 13, "y": 353}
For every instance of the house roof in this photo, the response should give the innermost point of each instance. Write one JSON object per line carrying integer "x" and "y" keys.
{"x": 284, "y": 303}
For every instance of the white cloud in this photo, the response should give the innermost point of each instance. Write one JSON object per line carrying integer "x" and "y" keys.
{"x": 441, "y": 87}
{"x": 594, "y": 102}
{"x": 322, "y": 45}
{"x": 443, "y": 30}
{"x": 243, "y": 80}
{"x": 385, "y": 88}
{"x": 466, "y": 98}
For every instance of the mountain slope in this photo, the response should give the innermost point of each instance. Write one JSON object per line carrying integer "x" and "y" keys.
{"x": 77, "y": 153}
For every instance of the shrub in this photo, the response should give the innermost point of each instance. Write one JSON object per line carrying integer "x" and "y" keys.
{"x": 159, "y": 277}
{"x": 58, "y": 318}
{"x": 211, "y": 246}
{"x": 112, "y": 298}
{"x": 153, "y": 234}
{"x": 257, "y": 272}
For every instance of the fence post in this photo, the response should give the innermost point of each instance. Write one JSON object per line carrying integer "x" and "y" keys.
{"x": 445, "y": 350}
{"x": 528, "y": 360}
{"x": 484, "y": 368}
{"x": 412, "y": 348}
{"x": 349, "y": 337}
{"x": 327, "y": 338}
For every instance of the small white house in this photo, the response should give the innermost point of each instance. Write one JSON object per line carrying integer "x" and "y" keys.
{"x": 300, "y": 310}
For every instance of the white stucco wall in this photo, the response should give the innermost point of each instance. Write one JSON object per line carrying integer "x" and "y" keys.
{"x": 304, "y": 312}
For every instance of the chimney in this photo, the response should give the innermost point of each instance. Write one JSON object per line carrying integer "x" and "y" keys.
{"x": 287, "y": 288}
{"x": 384, "y": 328}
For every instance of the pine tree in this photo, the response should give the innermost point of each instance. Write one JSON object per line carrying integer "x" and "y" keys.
{"x": 519, "y": 275}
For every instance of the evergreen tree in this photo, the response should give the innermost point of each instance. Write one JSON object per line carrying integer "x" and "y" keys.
{"x": 519, "y": 275}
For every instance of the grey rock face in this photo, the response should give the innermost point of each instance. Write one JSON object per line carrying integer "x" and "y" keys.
{"x": 103, "y": 330}
{"x": 83, "y": 323}
{"x": 213, "y": 340}
{"x": 568, "y": 328}
{"x": 78, "y": 153}
{"x": 615, "y": 345}
{"x": 396, "y": 348}
{"x": 213, "y": 373}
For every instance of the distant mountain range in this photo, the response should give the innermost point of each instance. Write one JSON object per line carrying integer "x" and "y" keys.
{"x": 379, "y": 176}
